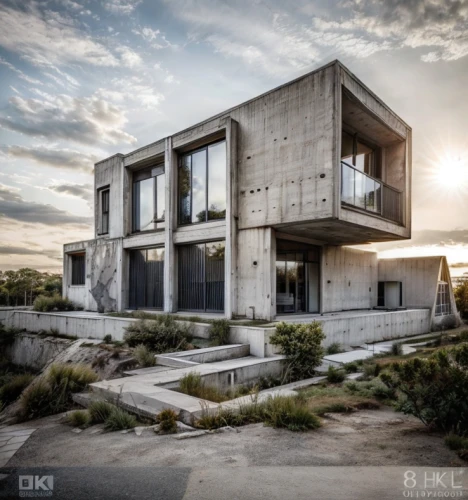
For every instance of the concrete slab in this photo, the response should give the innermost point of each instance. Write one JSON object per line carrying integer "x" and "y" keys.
{"x": 348, "y": 357}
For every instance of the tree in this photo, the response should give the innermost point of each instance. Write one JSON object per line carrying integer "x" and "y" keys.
{"x": 461, "y": 298}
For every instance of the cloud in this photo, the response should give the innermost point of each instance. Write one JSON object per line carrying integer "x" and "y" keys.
{"x": 129, "y": 57}
{"x": 20, "y": 73}
{"x": 17, "y": 250}
{"x": 57, "y": 158}
{"x": 154, "y": 37}
{"x": 121, "y": 6}
{"x": 47, "y": 35}
{"x": 87, "y": 120}
{"x": 83, "y": 191}
{"x": 13, "y": 206}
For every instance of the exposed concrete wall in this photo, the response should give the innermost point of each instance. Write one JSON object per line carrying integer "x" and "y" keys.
{"x": 349, "y": 279}
{"x": 102, "y": 289}
{"x": 256, "y": 273}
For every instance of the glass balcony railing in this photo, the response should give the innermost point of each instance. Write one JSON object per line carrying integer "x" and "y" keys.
{"x": 372, "y": 195}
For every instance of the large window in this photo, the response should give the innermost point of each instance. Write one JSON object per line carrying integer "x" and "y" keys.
{"x": 149, "y": 199}
{"x": 147, "y": 278}
{"x": 443, "y": 306}
{"x": 201, "y": 277}
{"x": 202, "y": 184}
{"x": 104, "y": 204}
{"x": 361, "y": 155}
{"x": 78, "y": 268}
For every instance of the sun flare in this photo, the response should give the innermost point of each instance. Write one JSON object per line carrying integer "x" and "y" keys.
{"x": 451, "y": 172}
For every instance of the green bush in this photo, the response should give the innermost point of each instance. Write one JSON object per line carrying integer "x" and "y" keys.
{"x": 455, "y": 442}
{"x": 12, "y": 389}
{"x": 54, "y": 303}
{"x": 334, "y": 348}
{"x": 464, "y": 336}
{"x": 335, "y": 375}
{"x": 371, "y": 370}
{"x": 79, "y": 418}
{"x": 119, "y": 420}
{"x": 435, "y": 389}
{"x": 144, "y": 356}
{"x": 167, "y": 419}
{"x": 52, "y": 393}
{"x": 397, "y": 349}
{"x": 351, "y": 367}
{"x": 163, "y": 334}
{"x": 100, "y": 411}
{"x": 107, "y": 338}
{"x": 301, "y": 344}
{"x": 219, "y": 332}
{"x": 461, "y": 298}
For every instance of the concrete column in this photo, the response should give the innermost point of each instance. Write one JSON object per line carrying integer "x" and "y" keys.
{"x": 230, "y": 256}
{"x": 170, "y": 263}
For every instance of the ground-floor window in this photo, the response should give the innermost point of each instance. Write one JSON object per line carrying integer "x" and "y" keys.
{"x": 201, "y": 277}
{"x": 146, "y": 278}
{"x": 297, "y": 277}
{"x": 390, "y": 294}
{"x": 78, "y": 268}
{"x": 443, "y": 306}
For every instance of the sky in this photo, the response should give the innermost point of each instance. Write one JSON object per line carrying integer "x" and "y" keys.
{"x": 82, "y": 80}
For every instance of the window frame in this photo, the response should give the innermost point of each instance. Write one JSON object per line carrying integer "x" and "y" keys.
{"x": 375, "y": 161}
{"x": 142, "y": 175}
{"x": 443, "y": 305}
{"x": 207, "y": 176}
{"x": 101, "y": 192}
{"x": 82, "y": 273}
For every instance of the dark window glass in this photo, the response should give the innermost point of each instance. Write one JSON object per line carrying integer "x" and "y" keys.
{"x": 104, "y": 211}
{"x": 78, "y": 269}
{"x": 201, "y": 277}
{"x": 149, "y": 199}
{"x": 381, "y": 294}
{"x": 202, "y": 184}
{"x": 147, "y": 278}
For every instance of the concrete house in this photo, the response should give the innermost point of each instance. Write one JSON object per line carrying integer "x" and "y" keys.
{"x": 250, "y": 213}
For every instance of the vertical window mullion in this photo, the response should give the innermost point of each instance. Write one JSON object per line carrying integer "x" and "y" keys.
{"x": 207, "y": 166}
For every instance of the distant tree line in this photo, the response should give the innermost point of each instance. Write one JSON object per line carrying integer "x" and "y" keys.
{"x": 20, "y": 288}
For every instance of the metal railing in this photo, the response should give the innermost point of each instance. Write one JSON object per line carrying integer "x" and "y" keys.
{"x": 372, "y": 195}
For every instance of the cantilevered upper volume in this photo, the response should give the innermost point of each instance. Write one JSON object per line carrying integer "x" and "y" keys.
{"x": 248, "y": 212}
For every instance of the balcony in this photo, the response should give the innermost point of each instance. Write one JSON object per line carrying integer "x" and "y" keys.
{"x": 362, "y": 191}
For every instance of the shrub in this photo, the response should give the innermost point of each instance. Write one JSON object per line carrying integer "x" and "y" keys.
{"x": 301, "y": 344}
{"x": 107, "y": 338}
{"x": 193, "y": 385}
{"x": 219, "y": 332}
{"x": 52, "y": 393}
{"x": 144, "y": 356}
{"x": 335, "y": 375}
{"x": 351, "y": 367}
{"x": 168, "y": 420}
{"x": 7, "y": 335}
{"x": 54, "y": 303}
{"x": 79, "y": 418}
{"x": 289, "y": 412}
{"x": 100, "y": 411}
{"x": 163, "y": 334}
{"x": 12, "y": 389}
{"x": 371, "y": 370}
{"x": 435, "y": 390}
{"x": 464, "y": 336}
{"x": 119, "y": 420}
{"x": 461, "y": 298}
{"x": 455, "y": 442}
{"x": 334, "y": 348}
{"x": 397, "y": 349}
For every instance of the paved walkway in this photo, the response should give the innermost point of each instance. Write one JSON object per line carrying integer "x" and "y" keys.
{"x": 11, "y": 439}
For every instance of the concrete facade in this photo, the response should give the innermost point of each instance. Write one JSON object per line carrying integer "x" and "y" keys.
{"x": 284, "y": 187}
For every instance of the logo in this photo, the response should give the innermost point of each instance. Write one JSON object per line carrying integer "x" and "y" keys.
{"x": 434, "y": 484}
{"x": 36, "y": 486}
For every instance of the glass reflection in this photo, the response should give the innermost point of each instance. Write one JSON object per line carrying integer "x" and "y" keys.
{"x": 217, "y": 181}
{"x": 199, "y": 186}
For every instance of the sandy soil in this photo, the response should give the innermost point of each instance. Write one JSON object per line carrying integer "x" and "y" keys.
{"x": 364, "y": 438}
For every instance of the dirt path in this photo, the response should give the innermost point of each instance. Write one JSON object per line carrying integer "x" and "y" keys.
{"x": 377, "y": 437}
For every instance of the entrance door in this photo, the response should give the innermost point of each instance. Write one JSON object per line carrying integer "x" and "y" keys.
{"x": 146, "y": 278}
{"x": 297, "y": 278}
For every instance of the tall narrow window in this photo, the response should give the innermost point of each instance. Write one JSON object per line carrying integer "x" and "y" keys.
{"x": 202, "y": 184}
{"x": 149, "y": 199}
{"x": 78, "y": 268}
{"x": 104, "y": 211}
{"x": 443, "y": 306}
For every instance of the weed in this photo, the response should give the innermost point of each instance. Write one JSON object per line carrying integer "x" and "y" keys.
{"x": 219, "y": 332}
{"x": 100, "y": 411}
{"x": 397, "y": 349}
{"x": 335, "y": 375}
{"x": 464, "y": 336}
{"x": 79, "y": 418}
{"x": 119, "y": 420}
{"x": 193, "y": 385}
{"x": 99, "y": 362}
{"x": 351, "y": 367}
{"x": 12, "y": 389}
{"x": 54, "y": 303}
{"x": 167, "y": 419}
{"x": 456, "y": 442}
{"x": 107, "y": 338}
{"x": 144, "y": 356}
{"x": 334, "y": 348}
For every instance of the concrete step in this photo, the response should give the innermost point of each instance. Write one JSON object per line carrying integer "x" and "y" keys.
{"x": 209, "y": 354}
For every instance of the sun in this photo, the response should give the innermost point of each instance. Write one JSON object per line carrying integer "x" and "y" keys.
{"x": 450, "y": 171}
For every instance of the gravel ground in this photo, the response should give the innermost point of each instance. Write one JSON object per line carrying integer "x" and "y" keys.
{"x": 364, "y": 438}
